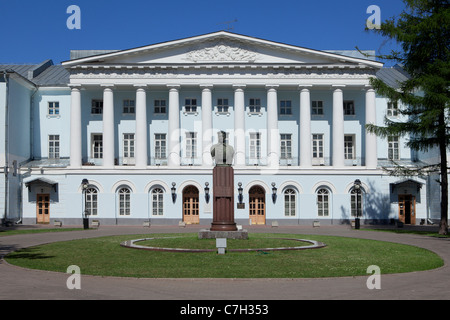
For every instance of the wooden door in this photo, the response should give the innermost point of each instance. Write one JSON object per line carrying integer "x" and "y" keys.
{"x": 407, "y": 208}
{"x": 43, "y": 208}
{"x": 257, "y": 205}
{"x": 191, "y": 205}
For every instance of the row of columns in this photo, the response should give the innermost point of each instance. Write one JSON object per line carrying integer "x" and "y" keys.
{"x": 273, "y": 137}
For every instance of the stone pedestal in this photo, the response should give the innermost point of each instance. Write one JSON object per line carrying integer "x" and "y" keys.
{"x": 208, "y": 234}
{"x": 223, "y": 199}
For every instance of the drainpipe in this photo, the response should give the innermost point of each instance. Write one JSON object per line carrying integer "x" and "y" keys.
{"x": 6, "y": 204}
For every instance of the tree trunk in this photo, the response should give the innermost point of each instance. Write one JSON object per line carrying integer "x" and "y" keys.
{"x": 443, "y": 224}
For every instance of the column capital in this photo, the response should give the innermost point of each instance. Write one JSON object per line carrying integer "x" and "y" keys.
{"x": 74, "y": 86}
{"x": 239, "y": 86}
{"x": 173, "y": 86}
{"x": 206, "y": 86}
{"x": 306, "y": 87}
{"x": 272, "y": 86}
{"x": 336, "y": 87}
{"x": 368, "y": 88}
{"x": 107, "y": 85}
{"x": 140, "y": 86}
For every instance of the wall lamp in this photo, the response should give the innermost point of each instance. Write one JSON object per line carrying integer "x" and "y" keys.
{"x": 174, "y": 192}
{"x": 274, "y": 192}
{"x": 207, "y": 192}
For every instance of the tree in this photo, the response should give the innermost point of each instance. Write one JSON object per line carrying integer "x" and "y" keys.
{"x": 423, "y": 32}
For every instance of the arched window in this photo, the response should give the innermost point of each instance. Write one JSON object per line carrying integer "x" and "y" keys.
{"x": 356, "y": 203}
{"x": 157, "y": 202}
{"x": 91, "y": 201}
{"x": 124, "y": 201}
{"x": 323, "y": 202}
{"x": 289, "y": 202}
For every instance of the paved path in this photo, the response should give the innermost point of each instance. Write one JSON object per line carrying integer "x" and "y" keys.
{"x": 20, "y": 283}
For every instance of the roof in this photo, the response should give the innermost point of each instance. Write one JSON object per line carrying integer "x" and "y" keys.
{"x": 42, "y": 74}
{"x": 222, "y": 35}
{"x": 392, "y": 76}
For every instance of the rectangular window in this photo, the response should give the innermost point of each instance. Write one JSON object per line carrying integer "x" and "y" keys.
{"x": 160, "y": 106}
{"x": 190, "y": 105}
{"x": 349, "y": 108}
{"x": 53, "y": 108}
{"x": 286, "y": 146}
{"x": 255, "y": 145}
{"x": 128, "y": 145}
{"x": 160, "y": 145}
{"x": 285, "y": 107}
{"x": 393, "y": 150}
{"x": 349, "y": 147}
{"x": 53, "y": 146}
{"x": 191, "y": 145}
{"x": 392, "y": 109}
{"x": 316, "y": 107}
{"x": 97, "y": 106}
{"x": 255, "y": 105}
{"x": 222, "y": 105}
{"x": 128, "y": 106}
{"x": 317, "y": 146}
{"x": 97, "y": 146}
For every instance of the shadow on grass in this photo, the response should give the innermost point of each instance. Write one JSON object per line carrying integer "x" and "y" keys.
{"x": 28, "y": 253}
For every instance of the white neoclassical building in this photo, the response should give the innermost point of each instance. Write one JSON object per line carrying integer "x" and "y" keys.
{"x": 137, "y": 126}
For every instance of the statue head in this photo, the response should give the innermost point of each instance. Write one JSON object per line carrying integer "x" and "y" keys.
{"x": 221, "y": 152}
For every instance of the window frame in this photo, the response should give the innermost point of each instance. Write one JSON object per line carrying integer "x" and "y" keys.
{"x": 254, "y": 105}
{"x": 96, "y": 106}
{"x": 323, "y": 202}
{"x": 128, "y": 106}
{"x": 96, "y": 143}
{"x": 286, "y": 105}
{"x": 53, "y": 109}
{"x": 91, "y": 200}
{"x": 290, "y": 202}
{"x": 287, "y": 139}
{"x": 124, "y": 197}
{"x": 349, "y": 107}
{"x": 158, "y": 202}
{"x": 254, "y": 145}
{"x": 317, "y": 108}
{"x": 55, "y": 154}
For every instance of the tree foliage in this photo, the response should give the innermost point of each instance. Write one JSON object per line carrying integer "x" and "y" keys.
{"x": 423, "y": 32}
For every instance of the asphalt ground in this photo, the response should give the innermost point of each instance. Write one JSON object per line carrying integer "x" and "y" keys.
{"x": 18, "y": 283}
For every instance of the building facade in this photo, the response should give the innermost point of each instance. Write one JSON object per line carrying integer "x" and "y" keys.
{"x": 125, "y": 136}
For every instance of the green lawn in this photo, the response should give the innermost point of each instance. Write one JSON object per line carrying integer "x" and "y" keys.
{"x": 341, "y": 257}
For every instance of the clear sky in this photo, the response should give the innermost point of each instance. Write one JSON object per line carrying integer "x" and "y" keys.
{"x": 33, "y": 31}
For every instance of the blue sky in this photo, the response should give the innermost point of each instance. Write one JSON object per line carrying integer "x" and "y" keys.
{"x": 33, "y": 31}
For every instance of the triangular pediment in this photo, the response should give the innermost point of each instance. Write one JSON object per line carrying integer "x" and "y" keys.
{"x": 218, "y": 48}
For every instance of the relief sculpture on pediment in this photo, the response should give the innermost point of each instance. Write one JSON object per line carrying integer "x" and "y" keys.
{"x": 222, "y": 52}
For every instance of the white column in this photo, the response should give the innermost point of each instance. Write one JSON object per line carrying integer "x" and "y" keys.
{"x": 371, "y": 139}
{"x": 206, "y": 124}
{"x": 338, "y": 128}
{"x": 75, "y": 128}
{"x": 108, "y": 127}
{"x": 239, "y": 125}
{"x": 174, "y": 127}
{"x": 305, "y": 127}
{"x": 273, "y": 135}
{"x": 140, "y": 150}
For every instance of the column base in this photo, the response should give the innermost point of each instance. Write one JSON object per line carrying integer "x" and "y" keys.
{"x": 223, "y": 226}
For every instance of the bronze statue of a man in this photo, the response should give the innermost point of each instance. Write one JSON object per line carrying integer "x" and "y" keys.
{"x": 221, "y": 152}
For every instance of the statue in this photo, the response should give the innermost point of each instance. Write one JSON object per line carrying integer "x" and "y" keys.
{"x": 221, "y": 152}
{"x": 223, "y": 186}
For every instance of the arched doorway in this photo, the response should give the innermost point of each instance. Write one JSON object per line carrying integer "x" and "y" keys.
{"x": 191, "y": 205}
{"x": 257, "y": 205}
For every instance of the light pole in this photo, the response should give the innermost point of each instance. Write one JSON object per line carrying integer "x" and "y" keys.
{"x": 357, "y": 186}
{"x": 85, "y": 214}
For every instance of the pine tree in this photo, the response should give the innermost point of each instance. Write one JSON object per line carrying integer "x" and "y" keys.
{"x": 423, "y": 32}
